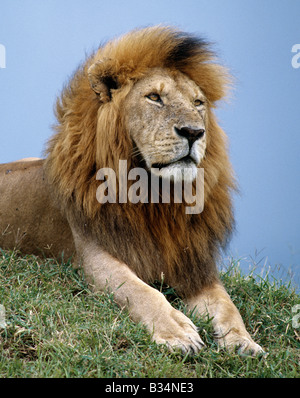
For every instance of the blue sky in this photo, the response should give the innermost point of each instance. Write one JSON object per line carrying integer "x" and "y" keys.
{"x": 45, "y": 40}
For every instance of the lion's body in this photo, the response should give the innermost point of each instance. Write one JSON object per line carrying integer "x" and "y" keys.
{"x": 147, "y": 99}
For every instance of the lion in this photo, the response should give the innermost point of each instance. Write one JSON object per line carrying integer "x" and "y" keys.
{"x": 147, "y": 98}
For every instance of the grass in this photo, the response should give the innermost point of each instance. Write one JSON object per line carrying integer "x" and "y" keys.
{"x": 56, "y": 327}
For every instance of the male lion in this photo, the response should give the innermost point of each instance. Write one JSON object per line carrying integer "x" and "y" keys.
{"x": 146, "y": 98}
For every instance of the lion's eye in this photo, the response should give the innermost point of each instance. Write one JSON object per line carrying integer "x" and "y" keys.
{"x": 198, "y": 102}
{"x": 154, "y": 97}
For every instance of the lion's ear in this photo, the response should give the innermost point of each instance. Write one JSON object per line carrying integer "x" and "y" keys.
{"x": 101, "y": 81}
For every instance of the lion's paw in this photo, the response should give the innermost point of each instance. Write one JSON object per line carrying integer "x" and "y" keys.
{"x": 244, "y": 345}
{"x": 178, "y": 332}
{"x": 249, "y": 347}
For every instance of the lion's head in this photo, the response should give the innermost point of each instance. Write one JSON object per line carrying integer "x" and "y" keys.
{"x": 148, "y": 98}
{"x": 170, "y": 107}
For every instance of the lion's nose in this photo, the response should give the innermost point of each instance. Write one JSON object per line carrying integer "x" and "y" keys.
{"x": 192, "y": 135}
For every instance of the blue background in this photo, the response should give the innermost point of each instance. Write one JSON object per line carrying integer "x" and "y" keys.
{"x": 46, "y": 40}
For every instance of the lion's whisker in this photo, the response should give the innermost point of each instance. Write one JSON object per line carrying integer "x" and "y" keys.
{"x": 135, "y": 152}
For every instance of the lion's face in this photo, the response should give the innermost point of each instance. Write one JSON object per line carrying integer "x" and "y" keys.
{"x": 165, "y": 115}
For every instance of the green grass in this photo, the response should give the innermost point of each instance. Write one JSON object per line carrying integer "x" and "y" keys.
{"x": 56, "y": 327}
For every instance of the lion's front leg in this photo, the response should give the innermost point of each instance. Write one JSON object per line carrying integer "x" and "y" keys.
{"x": 144, "y": 303}
{"x": 229, "y": 328}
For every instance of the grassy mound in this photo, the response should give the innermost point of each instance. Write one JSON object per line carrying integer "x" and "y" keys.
{"x": 56, "y": 327}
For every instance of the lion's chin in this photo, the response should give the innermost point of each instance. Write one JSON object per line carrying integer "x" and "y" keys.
{"x": 182, "y": 170}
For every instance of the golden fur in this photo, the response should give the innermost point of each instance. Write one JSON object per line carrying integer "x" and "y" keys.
{"x": 123, "y": 247}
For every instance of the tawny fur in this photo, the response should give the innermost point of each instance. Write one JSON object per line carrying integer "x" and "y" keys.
{"x": 29, "y": 220}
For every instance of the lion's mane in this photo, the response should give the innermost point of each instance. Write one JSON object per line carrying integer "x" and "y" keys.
{"x": 152, "y": 239}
